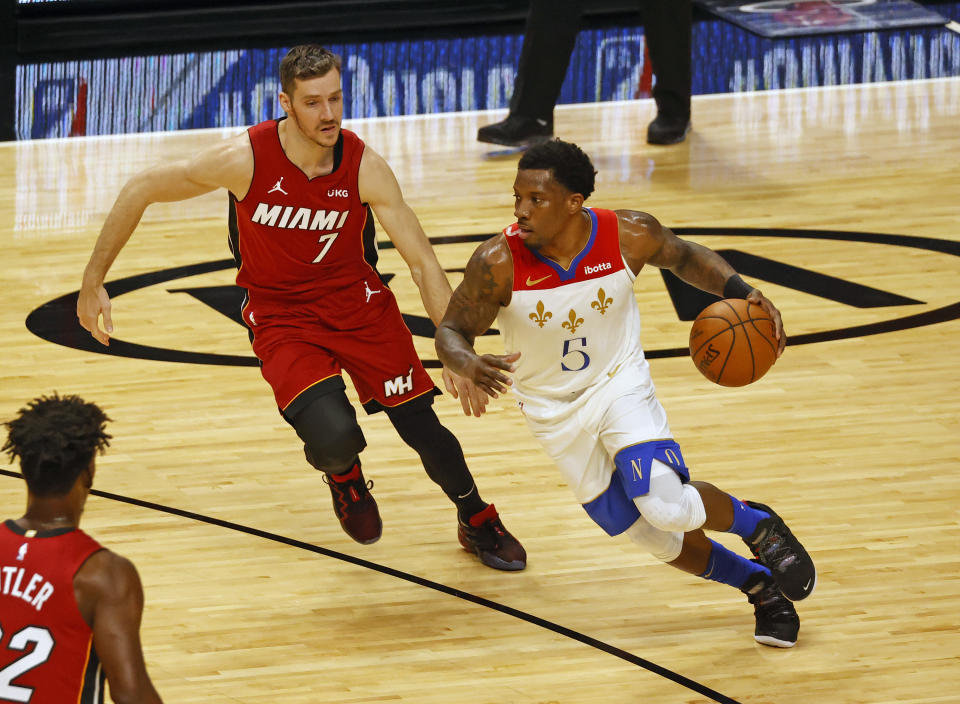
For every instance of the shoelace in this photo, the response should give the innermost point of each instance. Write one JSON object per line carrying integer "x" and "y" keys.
{"x": 771, "y": 603}
{"x": 776, "y": 552}
{"x": 343, "y": 491}
{"x": 496, "y": 530}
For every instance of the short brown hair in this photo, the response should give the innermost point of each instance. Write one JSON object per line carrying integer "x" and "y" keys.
{"x": 306, "y": 61}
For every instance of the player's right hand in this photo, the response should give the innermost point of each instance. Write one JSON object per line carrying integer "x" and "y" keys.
{"x": 91, "y": 304}
{"x": 487, "y": 372}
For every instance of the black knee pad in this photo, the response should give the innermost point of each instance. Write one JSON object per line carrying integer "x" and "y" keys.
{"x": 332, "y": 439}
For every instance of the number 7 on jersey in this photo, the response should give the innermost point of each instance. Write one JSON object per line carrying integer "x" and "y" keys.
{"x": 327, "y": 241}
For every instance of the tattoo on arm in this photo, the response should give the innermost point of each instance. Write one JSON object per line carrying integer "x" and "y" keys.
{"x": 476, "y": 301}
{"x": 473, "y": 308}
{"x": 703, "y": 268}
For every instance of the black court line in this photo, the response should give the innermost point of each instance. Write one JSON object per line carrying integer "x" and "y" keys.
{"x": 436, "y": 586}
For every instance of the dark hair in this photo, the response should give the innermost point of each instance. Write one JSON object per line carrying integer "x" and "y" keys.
{"x": 570, "y": 165}
{"x": 306, "y": 61}
{"x": 55, "y": 439}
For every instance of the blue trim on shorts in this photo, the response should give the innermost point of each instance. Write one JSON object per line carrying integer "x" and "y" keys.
{"x": 613, "y": 510}
{"x": 634, "y": 464}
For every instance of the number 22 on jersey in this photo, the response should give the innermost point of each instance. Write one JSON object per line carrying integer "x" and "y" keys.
{"x": 43, "y": 646}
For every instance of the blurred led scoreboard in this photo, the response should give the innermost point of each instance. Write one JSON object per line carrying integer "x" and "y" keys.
{"x": 239, "y": 87}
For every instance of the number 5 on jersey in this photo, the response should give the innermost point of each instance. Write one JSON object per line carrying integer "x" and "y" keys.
{"x": 327, "y": 242}
{"x": 572, "y": 348}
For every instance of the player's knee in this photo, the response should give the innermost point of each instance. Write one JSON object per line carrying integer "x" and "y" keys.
{"x": 335, "y": 453}
{"x": 332, "y": 439}
{"x": 682, "y": 515}
{"x": 663, "y": 545}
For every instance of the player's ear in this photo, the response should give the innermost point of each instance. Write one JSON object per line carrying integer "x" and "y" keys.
{"x": 87, "y": 474}
{"x": 574, "y": 203}
{"x": 285, "y": 101}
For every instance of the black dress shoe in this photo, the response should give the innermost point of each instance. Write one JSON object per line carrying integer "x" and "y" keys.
{"x": 668, "y": 130}
{"x": 516, "y": 131}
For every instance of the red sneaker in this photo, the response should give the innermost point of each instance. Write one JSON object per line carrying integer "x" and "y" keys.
{"x": 355, "y": 505}
{"x": 492, "y": 543}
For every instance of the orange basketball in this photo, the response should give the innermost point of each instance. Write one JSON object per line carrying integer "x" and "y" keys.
{"x": 732, "y": 342}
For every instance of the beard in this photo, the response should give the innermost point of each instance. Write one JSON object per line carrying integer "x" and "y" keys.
{"x": 317, "y": 135}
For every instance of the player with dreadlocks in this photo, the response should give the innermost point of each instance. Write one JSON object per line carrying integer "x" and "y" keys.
{"x": 70, "y": 608}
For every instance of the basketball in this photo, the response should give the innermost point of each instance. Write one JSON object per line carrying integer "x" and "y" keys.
{"x": 732, "y": 342}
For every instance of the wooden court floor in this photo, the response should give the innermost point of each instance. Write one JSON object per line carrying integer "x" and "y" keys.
{"x": 253, "y": 593}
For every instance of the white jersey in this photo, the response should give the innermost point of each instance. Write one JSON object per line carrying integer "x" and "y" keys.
{"x": 575, "y": 327}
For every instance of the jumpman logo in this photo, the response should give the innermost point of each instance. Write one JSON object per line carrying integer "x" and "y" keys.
{"x": 278, "y": 187}
{"x": 22, "y": 552}
{"x": 370, "y": 292}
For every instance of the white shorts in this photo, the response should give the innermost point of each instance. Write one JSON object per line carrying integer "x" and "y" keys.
{"x": 583, "y": 436}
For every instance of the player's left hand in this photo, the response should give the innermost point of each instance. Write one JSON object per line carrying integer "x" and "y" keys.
{"x": 759, "y": 299}
{"x": 472, "y": 398}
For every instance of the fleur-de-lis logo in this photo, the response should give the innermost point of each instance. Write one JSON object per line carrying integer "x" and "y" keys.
{"x": 541, "y": 316}
{"x": 573, "y": 322}
{"x": 602, "y": 302}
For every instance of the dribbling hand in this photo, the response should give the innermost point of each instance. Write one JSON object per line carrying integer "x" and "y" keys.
{"x": 759, "y": 299}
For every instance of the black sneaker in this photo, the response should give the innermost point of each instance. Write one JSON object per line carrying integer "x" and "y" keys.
{"x": 776, "y": 548}
{"x": 777, "y": 620}
{"x": 485, "y": 536}
{"x": 668, "y": 130}
{"x": 516, "y": 131}
{"x": 355, "y": 505}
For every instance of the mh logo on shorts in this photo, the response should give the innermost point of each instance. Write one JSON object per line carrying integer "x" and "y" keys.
{"x": 398, "y": 386}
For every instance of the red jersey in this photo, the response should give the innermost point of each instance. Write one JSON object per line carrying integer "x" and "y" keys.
{"x": 46, "y": 648}
{"x": 299, "y": 239}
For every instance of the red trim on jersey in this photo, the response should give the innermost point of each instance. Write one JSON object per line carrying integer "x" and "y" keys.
{"x": 532, "y": 273}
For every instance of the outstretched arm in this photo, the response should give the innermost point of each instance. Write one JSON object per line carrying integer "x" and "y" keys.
{"x": 379, "y": 188}
{"x": 110, "y": 597}
{"x": 487, "y": 284}
{"x": 229, "y": 164}
{"x": 643, "y": 239}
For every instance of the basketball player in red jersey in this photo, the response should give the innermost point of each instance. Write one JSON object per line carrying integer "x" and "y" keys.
{"x": 69, "y": 609}
{"x": 301, "y": 191}
{"x": 559, "y": 283}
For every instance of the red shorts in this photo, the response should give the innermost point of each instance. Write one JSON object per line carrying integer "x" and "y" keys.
{"x": 302, "y": 347}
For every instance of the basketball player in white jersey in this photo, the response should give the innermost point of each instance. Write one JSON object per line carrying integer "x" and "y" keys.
{"x": 559, "y": 284}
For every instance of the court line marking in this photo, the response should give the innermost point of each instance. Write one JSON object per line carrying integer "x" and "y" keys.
{"x": 423, "y": 582}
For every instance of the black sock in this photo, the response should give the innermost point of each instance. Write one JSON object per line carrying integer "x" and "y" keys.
{"x": 469, "y": 505}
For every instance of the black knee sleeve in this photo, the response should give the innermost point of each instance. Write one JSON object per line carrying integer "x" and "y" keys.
{"x": 332, "y": 439}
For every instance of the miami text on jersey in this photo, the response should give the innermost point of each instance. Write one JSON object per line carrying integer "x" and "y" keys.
{"x": 291, "y": 217}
